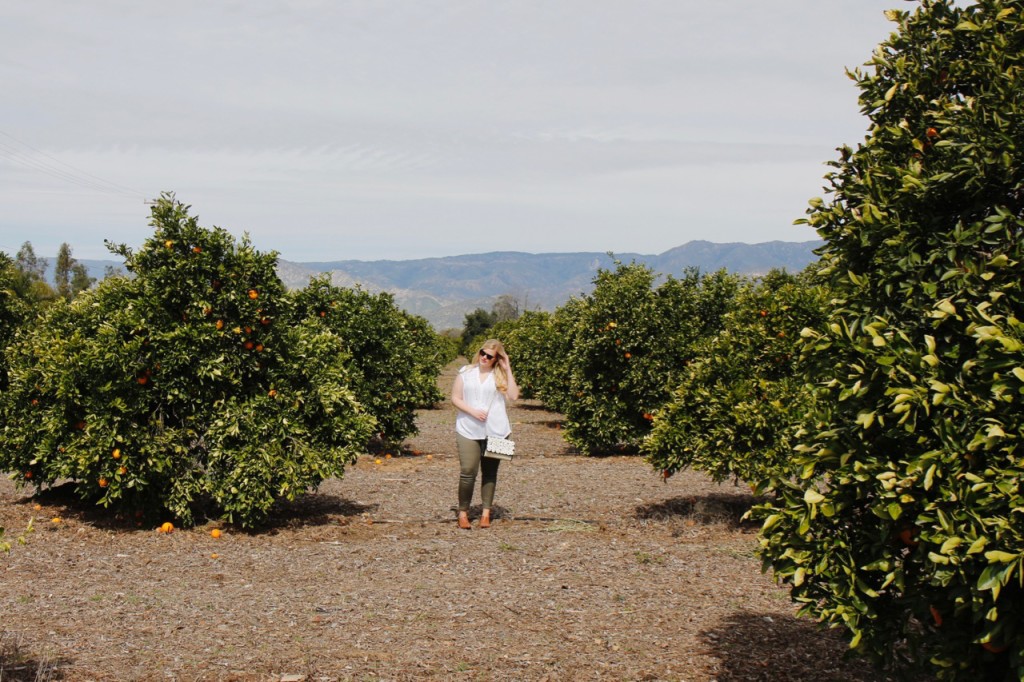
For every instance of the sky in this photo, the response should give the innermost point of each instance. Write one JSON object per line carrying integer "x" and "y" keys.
{"x": 401, "y": 129}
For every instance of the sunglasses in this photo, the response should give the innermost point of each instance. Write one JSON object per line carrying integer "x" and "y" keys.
{"x": 485, "y": 354}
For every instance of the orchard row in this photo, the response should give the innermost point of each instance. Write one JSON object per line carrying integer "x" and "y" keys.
{"x": 199, "y": 383}
{"x": 876, "y": 405}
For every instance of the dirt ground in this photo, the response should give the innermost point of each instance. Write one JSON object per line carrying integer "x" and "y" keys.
{"x": 595, "y": 569}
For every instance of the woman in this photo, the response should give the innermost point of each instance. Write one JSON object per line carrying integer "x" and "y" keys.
{"x": 480, "y": 395}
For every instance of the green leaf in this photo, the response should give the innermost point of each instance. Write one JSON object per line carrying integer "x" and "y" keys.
{"x": 978, "y": 545}
{"x": 812, "y": 496}
{"x": 950, "y": 544}
{"x": 929, "y": 477}
{"x": 997, "y": 556}
{"x": 993, "y": 577}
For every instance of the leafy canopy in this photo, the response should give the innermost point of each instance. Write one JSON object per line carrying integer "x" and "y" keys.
{"x": 903, "y": 523}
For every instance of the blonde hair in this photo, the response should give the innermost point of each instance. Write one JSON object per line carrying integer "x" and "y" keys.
{"x": 495, "y": 347}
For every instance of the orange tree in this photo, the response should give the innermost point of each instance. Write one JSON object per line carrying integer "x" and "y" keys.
{"x": 733, "y": 411}
{"x": 393, "y": 357}
{"x": 904, "y": 523}
{"x": 528, "y": 342}
{"x": 626, "y": 344}
{"x": 532, "y": 346}
{"x": 183, "y": 386}
{"x": 13, "y": 311}
{"x": 553, "y": 383}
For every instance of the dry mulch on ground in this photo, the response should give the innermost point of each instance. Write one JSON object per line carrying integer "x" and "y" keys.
{"x": 595, "y": 569}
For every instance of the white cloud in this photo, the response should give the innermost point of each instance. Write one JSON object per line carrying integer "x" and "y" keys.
{"x": 398, "y": 130}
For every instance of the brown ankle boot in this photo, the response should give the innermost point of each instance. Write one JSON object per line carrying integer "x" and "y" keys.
{"x": 464, "y": 521}
{"x": 485, "y": 518}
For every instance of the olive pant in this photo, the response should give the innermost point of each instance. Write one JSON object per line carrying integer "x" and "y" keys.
{"x": 471, "y": 460}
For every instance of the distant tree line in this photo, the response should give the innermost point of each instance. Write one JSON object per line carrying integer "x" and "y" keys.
{"x": 480, "y": 321}
{"x": 27, "y": 278}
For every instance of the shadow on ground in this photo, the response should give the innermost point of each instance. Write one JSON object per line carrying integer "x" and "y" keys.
{"x": 16, "y": 665}
{"x": 497, "y": 512}
{"x": 312, "y": 509}
{"x": 714, "y": 508}
{"x": 755, "y": 647}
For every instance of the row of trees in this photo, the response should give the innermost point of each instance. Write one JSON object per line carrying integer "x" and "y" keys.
{"x": 875, "y": 400}
{"x": 26, "y": 275}
{"x": 200, "y": 384}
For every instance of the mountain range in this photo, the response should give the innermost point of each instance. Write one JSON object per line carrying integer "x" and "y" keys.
{"x": 444, "y": 289}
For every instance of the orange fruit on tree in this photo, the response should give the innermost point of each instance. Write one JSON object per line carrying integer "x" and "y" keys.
{"x": 629, "y": 355}
{"x": 249, "y": 345}
{"x": 28, "y": 474}
{"x": 908, "y": 536}
{"x": 272, "y": 392}
{"x": 253, "y": 294}
{"x": 168, "y": 243}
{"x": 122, "y": 470}
{"x": 103, "y": 483}
{"x": 116, "y": 454}
{"x": 196, "y": 249}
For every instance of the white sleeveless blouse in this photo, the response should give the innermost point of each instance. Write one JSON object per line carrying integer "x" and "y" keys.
{"x": 483, "y": 394}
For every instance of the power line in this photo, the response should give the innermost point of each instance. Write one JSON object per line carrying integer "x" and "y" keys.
{"x": 73, "y": 175}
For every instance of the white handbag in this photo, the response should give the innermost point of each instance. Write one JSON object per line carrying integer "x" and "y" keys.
{"x": 500, "y": 448}
{"x": 497, "y": 447}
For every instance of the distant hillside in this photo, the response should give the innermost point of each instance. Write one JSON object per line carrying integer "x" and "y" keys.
{"x": 443, "y": 290}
